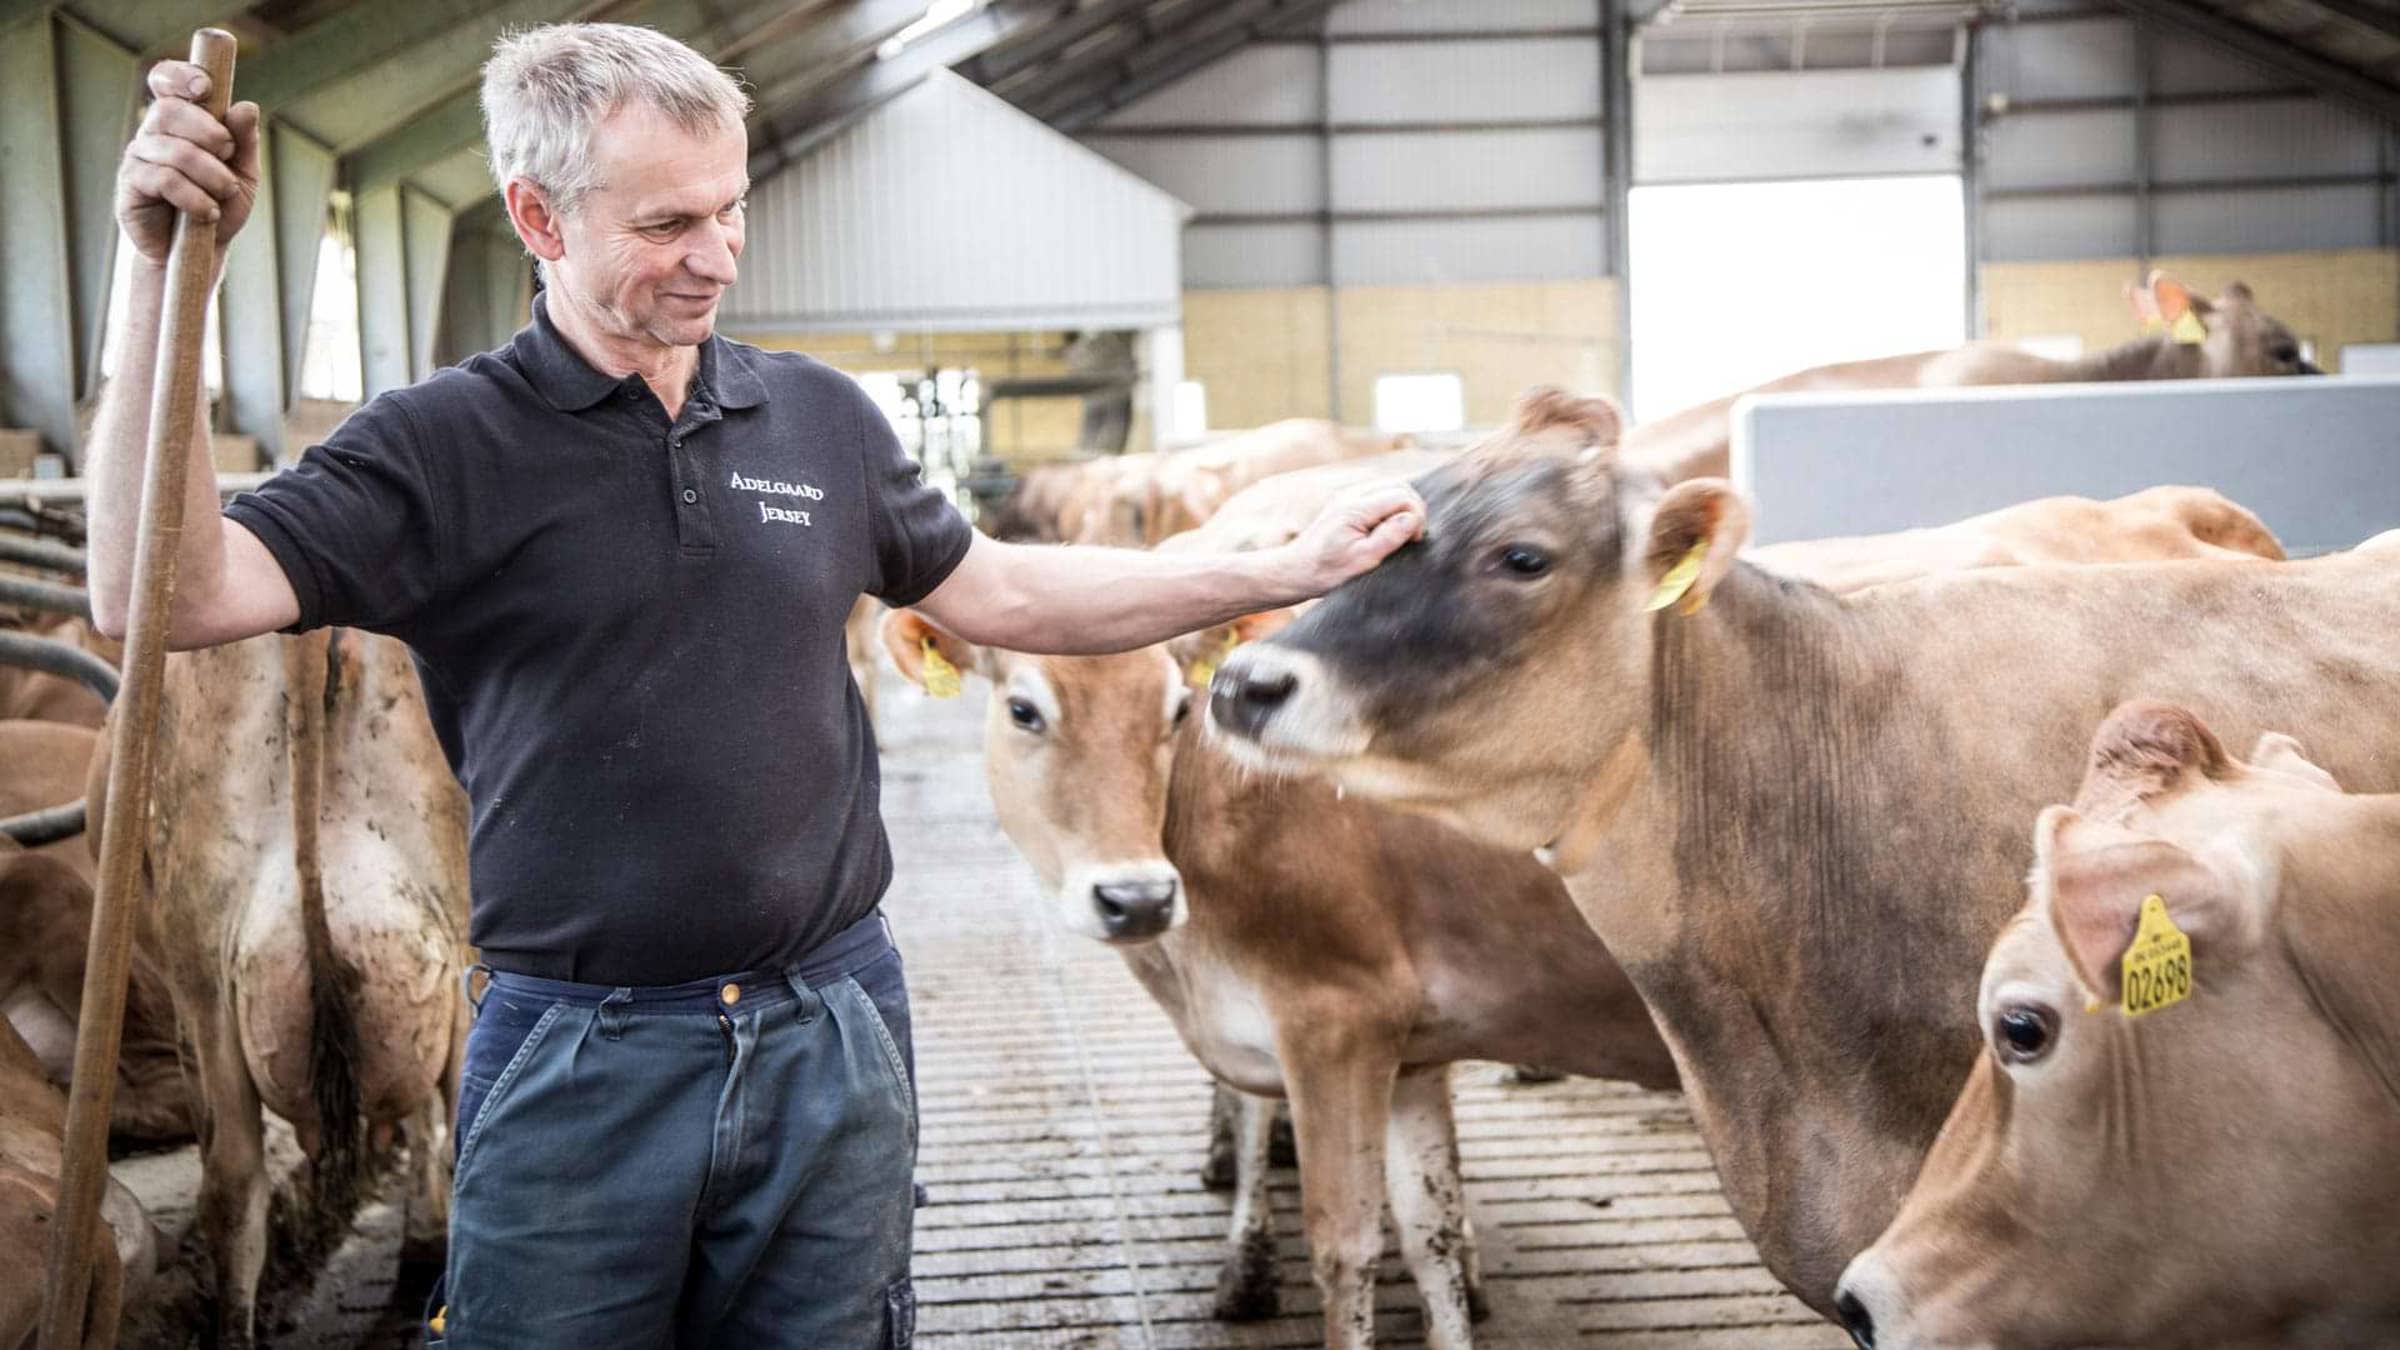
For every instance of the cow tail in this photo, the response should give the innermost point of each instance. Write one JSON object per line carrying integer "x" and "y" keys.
{"x": 313, "y": 670}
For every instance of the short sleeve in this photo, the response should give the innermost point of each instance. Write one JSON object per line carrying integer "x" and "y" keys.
{"x": 354, "y": 524}
{"x": 919, "y": 535}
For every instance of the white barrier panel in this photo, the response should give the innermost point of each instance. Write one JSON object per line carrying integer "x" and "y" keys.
{"x": 2317, "y": 459}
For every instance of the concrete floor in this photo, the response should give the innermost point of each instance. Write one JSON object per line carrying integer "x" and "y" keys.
{"x": 1063, "y": 1128}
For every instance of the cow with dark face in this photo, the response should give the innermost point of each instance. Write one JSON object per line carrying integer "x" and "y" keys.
{"x": 1795, "y": 817}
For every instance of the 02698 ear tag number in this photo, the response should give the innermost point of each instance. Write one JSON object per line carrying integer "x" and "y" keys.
{"x": 2157, "y": 967}
{"x": 1678, "y": 581}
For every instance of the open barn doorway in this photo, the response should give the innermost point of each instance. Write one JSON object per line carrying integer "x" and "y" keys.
{"x": 1735, "y": 284}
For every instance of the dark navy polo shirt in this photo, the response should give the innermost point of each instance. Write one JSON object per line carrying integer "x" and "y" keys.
{"x": 630, "y": 637}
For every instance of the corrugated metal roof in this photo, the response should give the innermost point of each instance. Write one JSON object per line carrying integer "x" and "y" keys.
{"x": 891, "y": 224}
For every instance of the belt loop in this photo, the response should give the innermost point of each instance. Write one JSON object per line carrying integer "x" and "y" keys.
{"x": 466, "y": 988}
{"x": 807, "y": 1002}
{"x": 612, "y": 1013}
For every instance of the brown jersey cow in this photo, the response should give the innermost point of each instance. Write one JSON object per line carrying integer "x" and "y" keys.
{"x": 1794, "y": 816}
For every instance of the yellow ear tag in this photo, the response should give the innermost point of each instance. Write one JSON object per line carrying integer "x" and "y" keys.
{"x": 941, "y": 678}
{"x": 1678, "y": 580}
{"x": 2158, "y": 966}
{"x": 1205, "y": 669}
{"x": 2187, "y": 329}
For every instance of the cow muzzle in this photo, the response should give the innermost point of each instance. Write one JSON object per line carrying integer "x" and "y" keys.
{"x": 1273, "y": 703}
{"x": 1127, "y": 903}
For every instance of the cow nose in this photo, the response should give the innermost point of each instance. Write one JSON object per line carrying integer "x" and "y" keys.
{"x": 1134, "y": 909}
{"x": 1856, "y": 1317}
{"x": 1244, "y": 696}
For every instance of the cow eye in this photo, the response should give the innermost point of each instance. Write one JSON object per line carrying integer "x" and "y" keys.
{"x": 1524, "y": 560}
{"x": 2022, "y": 1033}
{"x": 2284, "y": 352}
{"x": 1026, "y": 716}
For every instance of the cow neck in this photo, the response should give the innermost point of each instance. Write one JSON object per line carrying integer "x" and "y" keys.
{"x": 2156, "y": 356}
{"x": 2345, "y": 945}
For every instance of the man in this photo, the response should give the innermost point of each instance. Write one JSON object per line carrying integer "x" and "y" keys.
{"x": 622, "y": 549}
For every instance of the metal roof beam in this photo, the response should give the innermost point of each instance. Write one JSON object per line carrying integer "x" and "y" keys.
{"x": 2265, "y": 51}
{"x": 2375, "y": 18}
{"x": 349, "y": 43}
{"x": 1188, "y": 49}
{"x": 795, "y": 129}
{"x": 839, "y": 41}
{"x": 1041, "y": 44}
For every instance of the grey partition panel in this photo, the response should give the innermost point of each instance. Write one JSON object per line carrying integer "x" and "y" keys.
{"x": 2317, "y": 459}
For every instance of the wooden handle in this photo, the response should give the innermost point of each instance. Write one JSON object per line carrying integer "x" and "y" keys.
{"x": 174, "y": 421}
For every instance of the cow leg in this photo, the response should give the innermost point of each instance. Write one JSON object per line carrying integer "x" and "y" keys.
{"x": 1429, "y": 1206}
{"x": 1246, "y": 1287}
{"x": 1341, "y": 1094}
{"x": 1220, "y": 1171}
{"x": 233, "y": 1171}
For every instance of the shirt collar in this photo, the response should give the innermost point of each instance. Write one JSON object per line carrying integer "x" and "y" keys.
{"x": 571, "y": 384}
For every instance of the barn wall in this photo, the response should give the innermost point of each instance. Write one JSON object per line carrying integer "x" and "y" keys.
{"x": 2331, "y": 299}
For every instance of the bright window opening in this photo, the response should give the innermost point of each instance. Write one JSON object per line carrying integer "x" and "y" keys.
{"x": 936, "y": 15}
{"x": 1432, "y": 402}
{"x": 1189, "y": 417}
{"x": 329, "y": 361}
{"x": 1735, "y": 284}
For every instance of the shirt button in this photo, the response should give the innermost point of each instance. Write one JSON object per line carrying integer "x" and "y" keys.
{"x": 731, "y": 993}
{"x": 690, "y": 497}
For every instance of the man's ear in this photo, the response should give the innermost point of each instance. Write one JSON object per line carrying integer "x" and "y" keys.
{"x": 906, "y": 634}
{"x": 1696, "y": 533}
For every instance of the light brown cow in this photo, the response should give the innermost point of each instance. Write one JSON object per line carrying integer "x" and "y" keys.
{"x": 1141, "y": 499}
{"x": 2241, "y": 340}
{"x": 1032, "y": 512}
{"x": 1787, "y": 812}
{"x": 305, "y": 888}
{"x": 2156, "y": 524}
{"x": 33, "y": 1125}
{"x": 45, "y": 925}
{"x": 1333, "y": 948}
{"x": 2220, "y": 1169}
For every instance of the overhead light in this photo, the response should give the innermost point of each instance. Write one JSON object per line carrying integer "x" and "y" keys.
{"x": 939, "y": 13}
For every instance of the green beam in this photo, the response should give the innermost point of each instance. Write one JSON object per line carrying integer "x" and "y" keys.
{"x": 426, "y": 222}
{"x": 349, "y": 43}
{"x": 403, "y": 247}
{"x": 489, "y": 292}
{"x": 158, "y": 26}
{"x": 70, "y": 106}
{"x": 440, "y": 132}
{"x": 270, "y": 279}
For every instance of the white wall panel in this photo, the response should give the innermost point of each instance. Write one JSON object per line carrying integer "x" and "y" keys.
{"x": 2050, "y": 229}
{"x": 2083, "y": 58}
{"x": 1418, "y": 251}
{"x": 1797, "y": 124}
{"x": 2260, "y": 221}
{"x": 2060, "y": 149}
{"x": 1457, "y": 81}
{"x": 1250, "y": 256}
{"x": 1235, "y": 173}
{"x": 1469, "y": 169}
{"x": 2301, "y": 138}
{"x": 1450, "y": 16}
{"x": 1270, "y": 83}
{"x": 2181, "y": 66}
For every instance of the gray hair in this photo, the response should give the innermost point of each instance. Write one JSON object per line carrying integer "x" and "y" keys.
{"x": 545, "y": 88}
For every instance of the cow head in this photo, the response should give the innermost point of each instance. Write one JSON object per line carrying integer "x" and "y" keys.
{"x": 1482, "y": 672}
{"x": 2241, "y": 339}
{"x": 1076, "y": 751}
{"x": 2213, "y": 1168}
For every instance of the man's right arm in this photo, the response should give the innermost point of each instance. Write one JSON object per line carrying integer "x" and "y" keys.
{"x": 228, "y": 585}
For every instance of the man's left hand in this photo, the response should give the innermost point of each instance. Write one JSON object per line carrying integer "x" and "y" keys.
{"x": 1355, "y": 531}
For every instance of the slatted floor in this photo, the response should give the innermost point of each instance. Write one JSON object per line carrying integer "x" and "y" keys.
{"x": 1064, "y": 1125}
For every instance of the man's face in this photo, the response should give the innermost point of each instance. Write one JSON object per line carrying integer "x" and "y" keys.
{"x": 651, "y": 250}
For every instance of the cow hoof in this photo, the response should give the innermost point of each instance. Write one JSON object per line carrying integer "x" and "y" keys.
{"x": 1217, "y": 1174}
{"x": 1243, "y": 1296}
{"x": 1534, "y": 1073}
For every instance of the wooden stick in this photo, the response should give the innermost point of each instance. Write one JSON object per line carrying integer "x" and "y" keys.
{"x": 174, "y": 411}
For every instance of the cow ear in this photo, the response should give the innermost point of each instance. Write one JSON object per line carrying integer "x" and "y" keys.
{"x": 2146, "y": 749}
{"x": 1696, "y": 533}
{"x": 1545, "y": 406}
{"x": 2095, "y": 876}
{"x": 2278, "y": 753}
{"x": 1199, "y": 654}
{"x": 2237, "y": 293}
{"x": 905, "y": 635}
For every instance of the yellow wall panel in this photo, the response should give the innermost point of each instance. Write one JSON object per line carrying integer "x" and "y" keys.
{"x": 2330, "y": 299}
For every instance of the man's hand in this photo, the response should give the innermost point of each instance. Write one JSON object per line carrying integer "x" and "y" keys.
{"x": 1355, "y": 531}
{"x": 182, "y": 159}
